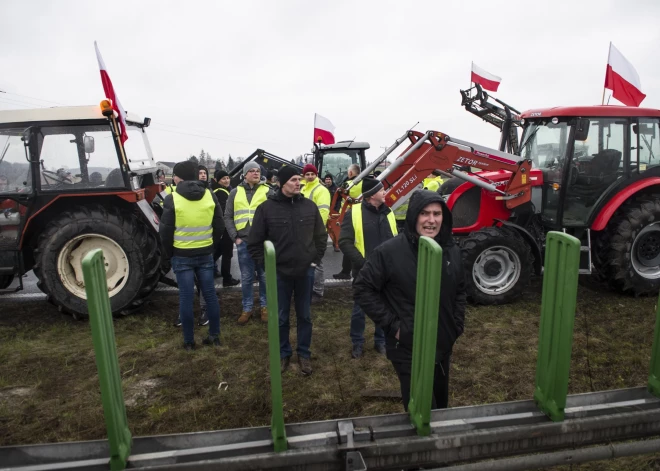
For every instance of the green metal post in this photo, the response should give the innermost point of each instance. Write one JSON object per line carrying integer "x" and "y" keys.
{"x": 103, "y": 336}
{"x": 560, "y": 279}
{"x": 654, "y": 375}
{"x": 425, "y": 334}
{"x": 277, "y": 419}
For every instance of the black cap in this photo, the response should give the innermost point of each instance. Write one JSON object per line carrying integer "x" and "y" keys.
{"x": 186, "y": 170}
{"x": 370, "y": 186}
{"x": 286, "y": 172}
{"x": 220, "y": 174}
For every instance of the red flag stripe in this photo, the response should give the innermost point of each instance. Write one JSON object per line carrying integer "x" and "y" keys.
{"x": 622, "y": 90}
{"x": 324, "y": 136}
{"x": 490, "y": 85}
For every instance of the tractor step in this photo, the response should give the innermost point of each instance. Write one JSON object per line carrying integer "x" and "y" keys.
{"x": 585, "y": 255}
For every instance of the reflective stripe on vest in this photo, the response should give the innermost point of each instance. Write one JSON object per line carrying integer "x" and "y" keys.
{"x": 194, "y": 221}
{"x": 221, "y": 189}
{"x": 244, "y": 210}
{"x": 356, "y": 212}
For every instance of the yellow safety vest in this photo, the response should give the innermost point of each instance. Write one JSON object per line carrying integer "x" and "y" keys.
{"x": 356, "y": 212}
{"x": 354, "y": 192}
{"x": 168, "y": 189}
{"x": 221, "y": 189}
{"x": 320, "y": 197}
{"x": 194, "y": 221}
{"x": 433, "y": 184}
{"x": 244, "y": 210}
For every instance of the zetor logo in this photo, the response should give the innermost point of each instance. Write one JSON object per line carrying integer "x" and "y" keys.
{"x": 465, "y": 160}
{"x": 535, "y": 114}
{"x": 406, "y": 184}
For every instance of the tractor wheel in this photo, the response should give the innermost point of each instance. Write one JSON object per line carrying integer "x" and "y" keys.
{"x": 130, "y": 251}
{"x": 498, "y": 265}
{"x": 5, "y": 281}
{"x": 628, "y": 250}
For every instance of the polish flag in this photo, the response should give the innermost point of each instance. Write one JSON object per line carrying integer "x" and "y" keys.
{"x": 324, "y": 131}
{"x": 111, "y": 95}
{"x": 622, "y": 78}
{"x": 485, "y": 79}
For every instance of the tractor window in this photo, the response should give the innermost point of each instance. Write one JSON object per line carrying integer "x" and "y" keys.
{"x": 337, "y": 163}
{"x": 79, "y": 157}
{"x": 645, "y": 140}
{"x": 15, "y": 174}
{"x": 545, "y": 144}
{"x": 598, "y": 162}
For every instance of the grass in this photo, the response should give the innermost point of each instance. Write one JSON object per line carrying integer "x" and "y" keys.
{"x": 49, "y": 387}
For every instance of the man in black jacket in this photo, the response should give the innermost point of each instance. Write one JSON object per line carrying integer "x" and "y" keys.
{"x": 386, "y": 285}
{"x": 190, "y": 227}
{"x": 226, "y": 250}
{"x": 365, "y": 227}
{"x": 294, "y": 225}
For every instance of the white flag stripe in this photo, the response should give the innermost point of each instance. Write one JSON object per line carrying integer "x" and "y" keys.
{"x": 621, "y": 66}
{"x": 99, "y": 58}
{"x": 482, "y": 73}
{"x": 321, "y": 122}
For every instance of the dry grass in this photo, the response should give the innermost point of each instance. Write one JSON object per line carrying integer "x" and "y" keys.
{"x": 49, "y": 388}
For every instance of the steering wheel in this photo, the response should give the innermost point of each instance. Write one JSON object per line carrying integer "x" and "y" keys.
{"x": 55, "y": 177}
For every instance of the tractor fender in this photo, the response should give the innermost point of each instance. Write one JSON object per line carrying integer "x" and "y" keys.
{"x": 529, "y": 238}
{"x": 605, "y": 214}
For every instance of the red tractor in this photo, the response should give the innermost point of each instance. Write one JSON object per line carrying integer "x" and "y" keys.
{"x": 67, "y": 186}
{"x": 592, "y": 171}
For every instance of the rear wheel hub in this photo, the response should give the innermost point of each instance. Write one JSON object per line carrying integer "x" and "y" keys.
{"x": 645, "y": 252}
{"x": 496, "y": 270}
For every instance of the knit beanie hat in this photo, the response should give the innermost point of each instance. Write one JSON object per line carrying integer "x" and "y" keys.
{"x": 220, "y": 174}
{"x": 310, "y": 168}
{"x": 251, "y": 166}
{"x": 370, "y": 186}
{"x": 286, "y": 172}
{"x": 186, "y": 170}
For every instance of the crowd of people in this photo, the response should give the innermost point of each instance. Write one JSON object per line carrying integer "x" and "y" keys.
{"x": 204, "y": 219}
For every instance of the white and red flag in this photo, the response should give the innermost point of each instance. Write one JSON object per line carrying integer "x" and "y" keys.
{"x": 324, "y": 130}
{"x": 111, "y": 95}
{"x": 484, "y": 78}
{"x": 622, "y": 78}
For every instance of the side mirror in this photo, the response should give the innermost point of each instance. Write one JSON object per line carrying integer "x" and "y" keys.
{"x": 644, "y": 129}
{"x": 88, "y": 142}
{"x": 581, "y": 129}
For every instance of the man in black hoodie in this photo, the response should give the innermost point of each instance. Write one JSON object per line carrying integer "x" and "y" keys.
{"x": 386, "y": 286}
{"x": 190, "y": 227}
{"x": 294, "y": 225}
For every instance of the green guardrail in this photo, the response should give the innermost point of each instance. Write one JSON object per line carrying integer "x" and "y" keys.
{"x": 560, "y": 280}
{"x": 654, "y": 374}
{"x": 103, "y": 336}
{"x": 425, "y": 333}
{"x": 277, "y": 420}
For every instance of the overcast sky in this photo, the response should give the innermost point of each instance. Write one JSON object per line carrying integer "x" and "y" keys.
{"x": 232, "y": 76}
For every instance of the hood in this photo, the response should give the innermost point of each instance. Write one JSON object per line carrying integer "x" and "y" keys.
{"x": 418, "y": 201}
{"x": 191, "y": 189}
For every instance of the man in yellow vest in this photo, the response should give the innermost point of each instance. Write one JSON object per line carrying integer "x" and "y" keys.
{"x": 365, "y": 227}
{"x": 433, "y": 181}
{"x": 190, "y": 228}
{"x": 241, "y": 205}
{"x": 353, "y": 171}
{"x": 319, "y": 194}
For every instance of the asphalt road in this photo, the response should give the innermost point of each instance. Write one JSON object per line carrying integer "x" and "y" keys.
{"x": 331, "y": 263}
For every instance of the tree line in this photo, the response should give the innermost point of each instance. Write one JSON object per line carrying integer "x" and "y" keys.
{"x": 205, "y": 159}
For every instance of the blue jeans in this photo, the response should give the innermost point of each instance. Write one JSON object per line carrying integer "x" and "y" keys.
{"x": 248, "y": 267}
{"x": 301, "y": 289}
{"x": 357, "y": 328}
{"x": 186, "y": 269}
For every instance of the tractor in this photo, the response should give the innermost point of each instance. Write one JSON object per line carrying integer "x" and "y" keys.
{"x": 67, "y": 186}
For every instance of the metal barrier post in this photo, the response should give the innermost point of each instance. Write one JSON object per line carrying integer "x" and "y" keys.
{"x": 277, "y": 420}
{"x": 654, "y": 374}
{"x": 425, "y": 333}
{"x": 103, "y": 336}
{"x": 560, "y": 278}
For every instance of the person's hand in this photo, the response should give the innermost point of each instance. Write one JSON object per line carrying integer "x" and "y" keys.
{"x": 239, "y": 241}
{"x": 396, "y": 336}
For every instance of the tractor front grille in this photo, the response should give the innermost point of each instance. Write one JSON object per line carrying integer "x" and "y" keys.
{"x": 466, "y": 210}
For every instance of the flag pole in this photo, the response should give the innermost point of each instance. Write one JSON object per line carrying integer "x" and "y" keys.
{"x": 602, "y": 101}
{"x": 609, "y": 52}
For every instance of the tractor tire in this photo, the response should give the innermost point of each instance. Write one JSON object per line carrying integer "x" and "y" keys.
{"x": 131, "y": 254}
{"x": 627, "y": 254}
{"x": 498, "y": 265}
{"x": 5, "y": 281}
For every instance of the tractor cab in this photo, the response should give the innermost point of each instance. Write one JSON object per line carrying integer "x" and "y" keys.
{"x": 334, "y": 159}
{"x": 586, "y": 156}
